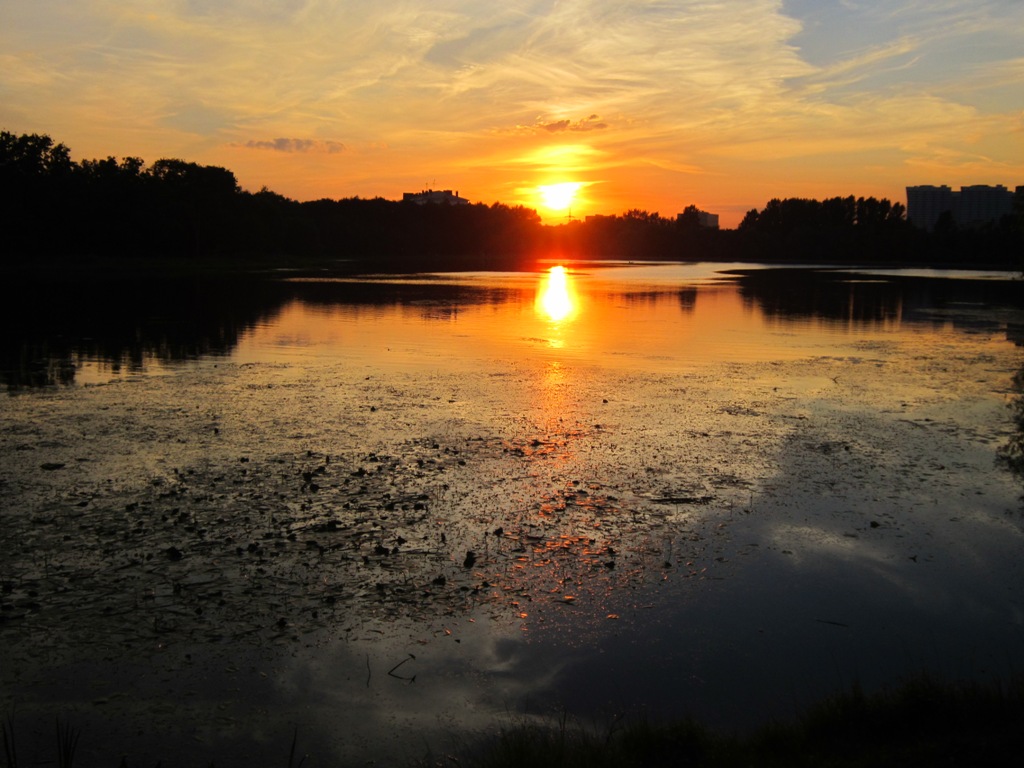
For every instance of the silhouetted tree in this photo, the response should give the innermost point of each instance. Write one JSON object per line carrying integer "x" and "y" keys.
{"x": 837, "y": 229}
{"x": 195, "y": 204}
{"x": 55, "y": 207}
{"x": 36, "y": 176}
{"x": 689, "y": 219}
{"x": 33, "y": 156}
{"x": 113, "y": 206}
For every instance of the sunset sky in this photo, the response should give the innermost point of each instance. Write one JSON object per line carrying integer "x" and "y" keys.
{"x": 652, "y": 105}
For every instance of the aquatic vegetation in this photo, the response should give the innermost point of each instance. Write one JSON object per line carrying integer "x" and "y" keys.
{"x": 10, "y": 745}
{"x": 275, "y": 547}
{"x": 66, "y": 742}
{"x": 919, "y": 722}
{"x": 1012, "y": 454}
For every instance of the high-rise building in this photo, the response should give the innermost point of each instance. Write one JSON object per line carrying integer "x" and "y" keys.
{"x": 926, "y": 203}
{"x": 970, "y": 207}
{"x": 982, "y": 204}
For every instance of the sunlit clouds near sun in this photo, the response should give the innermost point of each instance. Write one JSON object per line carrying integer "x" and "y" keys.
{"x": 653, "y": 105}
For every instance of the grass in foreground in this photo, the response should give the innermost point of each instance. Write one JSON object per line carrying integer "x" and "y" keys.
{"x": 920, "y": 723}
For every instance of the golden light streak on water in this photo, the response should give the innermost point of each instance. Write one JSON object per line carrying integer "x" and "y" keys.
{"x": 556, "y": 300}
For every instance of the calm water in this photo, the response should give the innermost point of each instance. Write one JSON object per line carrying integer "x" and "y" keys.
{"x": 389, "y": 510}
{"x": 633, "y": 315}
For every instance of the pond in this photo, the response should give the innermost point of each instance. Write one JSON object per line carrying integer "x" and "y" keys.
{"x": 396, "y": 511}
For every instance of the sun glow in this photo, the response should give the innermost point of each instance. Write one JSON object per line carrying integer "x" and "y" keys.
{"x": 555, "y": 299}
{"x": 559, "y": 197}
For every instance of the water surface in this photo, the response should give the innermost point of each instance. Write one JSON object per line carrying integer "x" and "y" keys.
{"x": 396, "y": 508}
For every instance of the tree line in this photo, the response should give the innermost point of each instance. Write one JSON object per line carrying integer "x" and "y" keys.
{"x": 54, "y": 207}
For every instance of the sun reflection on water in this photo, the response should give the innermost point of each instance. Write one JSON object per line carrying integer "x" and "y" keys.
{"x": 556, "y": 296}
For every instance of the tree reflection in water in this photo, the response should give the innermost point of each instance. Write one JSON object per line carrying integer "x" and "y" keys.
{"x": 48, "y": 329}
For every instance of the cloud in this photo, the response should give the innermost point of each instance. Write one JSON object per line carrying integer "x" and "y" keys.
{"x": 592, "y": 123}
{"x": 653, "y": 89}
{"x": 295, "y": 145}
{"x": 233, "y": 10}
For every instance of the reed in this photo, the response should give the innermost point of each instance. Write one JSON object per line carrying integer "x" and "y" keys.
{"x": 67, "y": 743}
{"x": 921, "y": 722}
{"x": 10, "y": 748}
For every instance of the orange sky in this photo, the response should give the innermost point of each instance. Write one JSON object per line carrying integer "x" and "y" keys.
{"x": 654, "y": 105}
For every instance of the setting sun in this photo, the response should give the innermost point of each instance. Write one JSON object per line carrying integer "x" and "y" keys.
{"x": 559, "y": 197}
{"x": 510, "y": 103}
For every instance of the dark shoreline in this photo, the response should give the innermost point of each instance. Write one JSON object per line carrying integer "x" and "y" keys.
{"x": 91, "y": 268}
{"x": 177, "y": 210}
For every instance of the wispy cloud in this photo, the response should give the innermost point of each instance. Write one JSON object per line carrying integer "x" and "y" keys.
{"x": 891, "y": 56}
{"x": 658, "y": 93}
{"x": 295, "y": 145}
{"x": 592, "y": 123}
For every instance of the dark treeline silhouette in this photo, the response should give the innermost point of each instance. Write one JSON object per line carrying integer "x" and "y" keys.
{"x": 848, "y": 229}
{"x": 55, "y": 207}
{"x": 641, "y": 235}
{"x": 836, "y": 229}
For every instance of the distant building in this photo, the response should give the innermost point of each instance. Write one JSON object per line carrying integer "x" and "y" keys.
{"x": 707, "y": 220}
{"x": 435, "y": 196}
{"x": 703, "y": 218}
{"x": 926, "y": 203}
{"x": 982, "y": 204}
{"x": 970, "y": 207}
